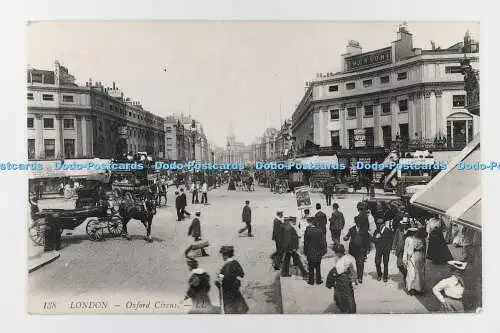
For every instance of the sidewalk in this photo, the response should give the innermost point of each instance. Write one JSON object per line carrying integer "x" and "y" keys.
{"x": 372, "y": 296}
{"x": 37, "y": 258}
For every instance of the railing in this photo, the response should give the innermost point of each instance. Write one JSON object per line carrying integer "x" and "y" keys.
{"x": 432, "y": 145}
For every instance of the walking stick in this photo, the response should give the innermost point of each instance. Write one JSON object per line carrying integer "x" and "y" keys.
{"x": 221, "y": 299}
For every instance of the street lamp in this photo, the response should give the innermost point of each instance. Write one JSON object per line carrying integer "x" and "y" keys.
{"x": 193, "y": 134}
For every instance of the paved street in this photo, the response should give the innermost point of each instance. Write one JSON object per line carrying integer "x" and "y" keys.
{"x": 134, "y": 269}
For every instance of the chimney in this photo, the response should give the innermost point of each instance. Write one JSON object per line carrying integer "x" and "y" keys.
{"x": 353, "y": 48}
{"x": 403, "y": 46}
{"x": 114, "y": 87}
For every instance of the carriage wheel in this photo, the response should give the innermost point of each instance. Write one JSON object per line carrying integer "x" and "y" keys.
{"x": 94, "y": 230}
{"x": 37, "y": 234}
{"x": 115, "y": 225}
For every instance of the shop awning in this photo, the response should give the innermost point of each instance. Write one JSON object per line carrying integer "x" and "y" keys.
{"x": 49, "y": 169}
{"x": 318, "y": 159}
{"x": 455, "y": 192}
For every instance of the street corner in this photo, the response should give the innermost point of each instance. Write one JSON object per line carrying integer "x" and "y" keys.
{"x": 37, "y": 261}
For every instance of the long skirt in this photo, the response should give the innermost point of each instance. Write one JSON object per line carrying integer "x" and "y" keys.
{"x": 344, "y": 294}
{"x": 234, "y": 303}
{"x": 453, "y": 305}
{"x": 415, "y": 275}
{"x": 202, "y": 305}
{"x": 398, "y": 239}
{"x": 438, "y": 250}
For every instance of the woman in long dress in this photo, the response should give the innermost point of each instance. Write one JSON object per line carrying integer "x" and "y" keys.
{"x": 199, "y": 286}
{"x": 229, "y": 275}
{"x": 414, "y": 261}
{"x": 341, "y": 277}
{"x": 438, "y": 250}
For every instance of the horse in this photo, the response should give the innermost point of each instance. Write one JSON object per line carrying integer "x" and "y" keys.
{"x": 143, "y": 211}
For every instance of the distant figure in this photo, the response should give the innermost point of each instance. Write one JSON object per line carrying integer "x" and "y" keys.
{"x": 194, "y": 193}
{"x": 328, "y": 191}
{"x": 178, "y": 206}
{"x": 204, "y": 190}
{"x": 162, "y": 193}
{"x": 195, "y": 231}
{"x": 246, "y": 217}
{"x": 184, "y": 204}
{"x": 199, "y": 287}
{"x": 229, "y": 284}
{"x": 337, "y": 223}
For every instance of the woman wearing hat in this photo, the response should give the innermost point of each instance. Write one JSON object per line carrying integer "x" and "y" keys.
{"x": 230, "y": 284}
{"x": 341, "y": 277}
{"x": 414, "y": 261}
{"x": 199, "y": 286}
{"x": 438, "y": 250}
{"x": 449, "y": 291}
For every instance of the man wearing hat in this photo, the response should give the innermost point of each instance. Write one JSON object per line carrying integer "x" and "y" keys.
{"x": 184, "y": 212}
{"x": 314, "y": 250}
{"x": 364, "y": 225}
{"x": 337, "y": 223}
{"x": 199, "y": 286}
{"x": 246, "y": 217}
{"x": 230, "y": 284}
{"x": 320, "y": 219}
{"x": 449, "y": 291}
{"x": 178, "y": 205}
{"x": 277, "y": 225}
{"x": 399, "y": 243}
{"x": 195, "y": 232}
{"x": 289, "y": 243}
{"x": 383, "y": 238}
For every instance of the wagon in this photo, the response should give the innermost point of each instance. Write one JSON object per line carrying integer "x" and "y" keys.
{"x": 100, "y": 218}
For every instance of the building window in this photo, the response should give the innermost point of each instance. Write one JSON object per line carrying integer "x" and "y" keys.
{"x": 333, "y": 88}
{"x": 367, "y": 83}
{"x": 129, "y": 113}
{"x": 50, "y": 148}
{"x": 369, "y": 137}
{"x": 402, "y": 76}
{"x": 350, "y": 85}
{"x": 48, "y": 97}
{"x": 458, "y": 101}
{"x": 384, "y": 79}
{"x": 31, "y": 149}
{"x": 351, "y": 112}
{"x": 453, "y": 70}
{"x": 403, "y": 105}
{"x": 368, "y": 110}
{"x": 30, "y": 96}
{"x": 69, "y": 148}
{"x": 351, "y": 138}
{"x": 334, "y": 114}
{"x": 31, "y": 123}
{"x": 335, "y": 138}
{"x": 100, "y": 103}
{"x": 48, "y": 123}
{"x": 169, "y": 129}
{"x": 386, "y": 108}
{"x": 69, "y": 123}
{"x": 387, "y": 136}
{"x": 36, "y": 77}
{"x": 68, "y": 98}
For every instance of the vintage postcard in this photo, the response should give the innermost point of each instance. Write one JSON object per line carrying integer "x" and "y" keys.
{"x": 260, "y": 167}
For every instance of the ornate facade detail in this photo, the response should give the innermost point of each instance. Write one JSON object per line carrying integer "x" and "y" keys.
{"x": 438, "y": 92}
{"x": 427, "y": 94}
{"x": 471, "y": 78}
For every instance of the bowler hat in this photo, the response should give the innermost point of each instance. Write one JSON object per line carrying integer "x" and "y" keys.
{"x": 227, "y": 249}
{"x": 197, "y": 213}
{"x": 460, "y": 265}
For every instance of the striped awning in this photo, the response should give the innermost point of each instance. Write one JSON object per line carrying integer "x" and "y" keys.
{"x": 455, "y": 192}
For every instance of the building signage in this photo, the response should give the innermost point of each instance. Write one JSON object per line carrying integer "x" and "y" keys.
{"x": 359, "y": 138}
{"x": 369, "y": 59}
{"x": 123, "y": 132}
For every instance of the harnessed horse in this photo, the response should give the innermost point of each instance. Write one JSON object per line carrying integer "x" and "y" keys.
{"x": 143, "y": 211}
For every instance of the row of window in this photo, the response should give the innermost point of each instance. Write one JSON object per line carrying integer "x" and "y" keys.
{"x": 48, "y": 123}
{"x": 458, "y": 101}
{"x": 50, "y": 97}
{"x": 49, "y": 148}
{"x": 369, "y": 136}
{"x": 386, "y": 79}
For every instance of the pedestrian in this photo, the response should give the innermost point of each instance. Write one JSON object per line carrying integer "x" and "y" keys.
{"x": 400, "y": 249}
{"x": 178, "y": 206}
{"x": 438, "y": 250}
{"x": 162, "y": 193}
{"x": 342, "y": 277}
{"x": 290, "y": 245}
{"x": 194, "y": 193}
{"x": 357, "y": 247}
{"x": 320, "y": 219}
{"x": 449, "y": 291}
{"x": 277, "y": 225}
{"x": 195, "y": 232}
{"x": 184, "y": 204}
{"x": 383, "y": 238}
{"x": 414, "y": 261}
{"x": 328, "y": 191}
{"x": 337, "y": 223}
{"x": 314, "y": 250}
{"x": 364, "y": 226}
{"x": 229, "y": 283}
{"x": 199, "y": 287}
{"x": 204, "y": 190}
{"x": 246, "y": 217}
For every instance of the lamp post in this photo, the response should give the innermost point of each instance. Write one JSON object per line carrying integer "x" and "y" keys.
{"x": 193, "y": 136}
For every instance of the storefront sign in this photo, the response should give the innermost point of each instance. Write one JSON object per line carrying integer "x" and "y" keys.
{"x": 123, "y": 132}
{"x": 359, "y": 138}
{"x": 303, "y": 197}
{"x": 370, "y": 59}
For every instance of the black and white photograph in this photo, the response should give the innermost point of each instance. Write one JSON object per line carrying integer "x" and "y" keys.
{"x": 253, "y": 167}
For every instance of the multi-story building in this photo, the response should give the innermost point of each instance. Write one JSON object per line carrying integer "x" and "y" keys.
{"x": 70, "y": 121}
{"x": 182, "y": 134}
{"x": 395, "y": 93}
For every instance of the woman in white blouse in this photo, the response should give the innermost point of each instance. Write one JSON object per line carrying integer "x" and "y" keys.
{"x": 449, "y": 291}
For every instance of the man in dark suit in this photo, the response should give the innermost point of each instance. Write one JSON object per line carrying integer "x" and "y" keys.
{"x": 246, "y": 217}
{"x": 277, "y": 255}
{"x": 178, "y": 206}
{"x": 383, "y": 238}
{"x": 289, "y": 242}
{"x": 314, "y": 250}
{"x": 184, "y": 204}
{"x": 364, "y": 225}
{"x": 320, "y": 219}
{"x": 195, "y": 232}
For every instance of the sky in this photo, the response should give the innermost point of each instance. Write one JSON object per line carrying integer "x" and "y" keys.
{"x": 248, "y": 75}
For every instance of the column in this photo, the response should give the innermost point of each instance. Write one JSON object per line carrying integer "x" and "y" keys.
{"x": 59, "y": 150}
{"x": 318, "y": 128}
{"x": 411, "y": 116}
{"x": 426, "y": 116}
{"x": 432, "y": 115}
{"x": 326, "y": 133}
{"x": 83, "y": 130}
{"x": 78, "y": 143}
{"x": 417, "y": 103}
{"x": 378, "y": 140}
{"x": 394, "y": 118}
{"x": 439, "y": 113}
{"x": 359, "y": 115}
{"x": 343, "y": 135}
{"x": 39, "y": 144}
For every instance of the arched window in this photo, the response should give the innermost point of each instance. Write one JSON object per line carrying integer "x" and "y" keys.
{"x": 459, "y": 130}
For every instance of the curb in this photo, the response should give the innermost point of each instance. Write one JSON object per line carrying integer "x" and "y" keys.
{"x": 34, "y": 264}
